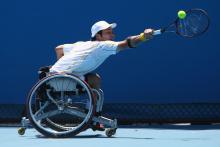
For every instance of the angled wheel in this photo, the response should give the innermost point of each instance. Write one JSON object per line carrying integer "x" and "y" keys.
{"x": 57, "y": 107}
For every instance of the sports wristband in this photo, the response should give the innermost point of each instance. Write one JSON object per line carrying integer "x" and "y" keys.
{"x": 129, "y": 42}
{"x": 142, "y": 37}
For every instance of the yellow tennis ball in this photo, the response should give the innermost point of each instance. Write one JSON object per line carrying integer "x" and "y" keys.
{"x": 181, "y": 14}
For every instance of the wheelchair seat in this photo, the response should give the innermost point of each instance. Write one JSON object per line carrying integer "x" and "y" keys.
{"x": 62, "y": 84}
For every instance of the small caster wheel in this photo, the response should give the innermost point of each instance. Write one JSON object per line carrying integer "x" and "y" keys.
{"x": 110, "y": 132}
{"x": 21, "y": 131}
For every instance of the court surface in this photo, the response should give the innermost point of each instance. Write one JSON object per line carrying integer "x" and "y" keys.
{"x": 142, "y": 136}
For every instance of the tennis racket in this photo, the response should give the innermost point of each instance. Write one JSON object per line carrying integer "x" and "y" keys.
{"x": 194, "y": 24}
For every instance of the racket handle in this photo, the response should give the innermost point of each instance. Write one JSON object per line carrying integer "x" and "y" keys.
{"x": 157, "y": 32}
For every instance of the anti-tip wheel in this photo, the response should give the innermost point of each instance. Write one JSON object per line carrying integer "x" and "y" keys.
{"x": 21, "y": 131}
{"x": 110, "y": 132}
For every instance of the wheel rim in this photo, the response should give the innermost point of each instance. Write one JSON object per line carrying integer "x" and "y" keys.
{"x": 65, "y": 129}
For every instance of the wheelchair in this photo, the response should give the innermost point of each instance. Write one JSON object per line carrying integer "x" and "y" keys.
{"x": 63, "y": 105}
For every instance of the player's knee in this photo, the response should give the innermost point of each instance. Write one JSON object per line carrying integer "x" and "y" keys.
{"x": 94, "y": 80}
{"x": 97, "y": 78}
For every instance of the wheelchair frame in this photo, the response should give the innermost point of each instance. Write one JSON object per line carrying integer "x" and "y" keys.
{"x": 37, "y": 105}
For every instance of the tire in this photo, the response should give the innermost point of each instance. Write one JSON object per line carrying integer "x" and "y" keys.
{"x": 46, "y": 126}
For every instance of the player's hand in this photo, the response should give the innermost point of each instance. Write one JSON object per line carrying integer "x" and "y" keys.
{"x": 148, "y": 33}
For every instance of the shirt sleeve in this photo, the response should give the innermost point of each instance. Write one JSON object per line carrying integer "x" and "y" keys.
{"x": 110, "y": 47}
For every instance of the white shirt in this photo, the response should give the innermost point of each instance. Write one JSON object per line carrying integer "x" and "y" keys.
{"x": 68, "y": 47}
{"x": 83, "y": 57}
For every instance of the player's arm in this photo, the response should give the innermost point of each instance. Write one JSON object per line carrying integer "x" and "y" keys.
{"x": 133, "y": 41}
{"x": 59, "y": 51}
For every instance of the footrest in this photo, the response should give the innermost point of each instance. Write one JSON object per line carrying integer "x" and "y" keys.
{"x": 106, "y": 121}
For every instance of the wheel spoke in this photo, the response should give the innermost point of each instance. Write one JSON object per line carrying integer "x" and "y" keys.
{"x": 75, "y": 112}
{"x": 47, "y": 114}
{"x": 41, "y": 109}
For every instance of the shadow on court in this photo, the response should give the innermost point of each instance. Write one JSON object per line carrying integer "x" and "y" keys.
{"x": 93, "y": 136}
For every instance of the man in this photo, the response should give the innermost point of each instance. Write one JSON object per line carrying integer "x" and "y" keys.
{"x": 81, "y": 58}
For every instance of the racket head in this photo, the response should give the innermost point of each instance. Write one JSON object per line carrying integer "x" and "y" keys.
{"x": 194, "y": 24}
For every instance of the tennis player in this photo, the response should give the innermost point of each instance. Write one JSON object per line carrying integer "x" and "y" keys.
{"x": 82, "y": 58}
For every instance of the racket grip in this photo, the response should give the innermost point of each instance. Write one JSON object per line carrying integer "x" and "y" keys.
{"x": 157, "y": 32}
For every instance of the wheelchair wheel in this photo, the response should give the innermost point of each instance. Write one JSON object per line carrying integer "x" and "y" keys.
{"x": 60, "y": 105}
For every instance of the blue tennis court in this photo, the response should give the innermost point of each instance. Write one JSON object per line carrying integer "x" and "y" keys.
{"x": 153, "y": 136}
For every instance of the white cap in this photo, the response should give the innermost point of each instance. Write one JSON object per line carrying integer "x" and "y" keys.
{"x": 101, "y": 25}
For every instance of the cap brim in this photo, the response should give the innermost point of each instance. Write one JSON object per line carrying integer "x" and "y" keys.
{"x": 113, "y": 25}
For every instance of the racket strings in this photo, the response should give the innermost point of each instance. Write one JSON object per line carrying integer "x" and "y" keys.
{"x": 195, "y": 23}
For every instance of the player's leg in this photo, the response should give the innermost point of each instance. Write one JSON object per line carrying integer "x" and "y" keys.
{"x": 94, "y": 80}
